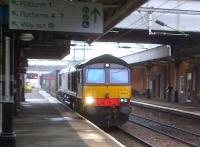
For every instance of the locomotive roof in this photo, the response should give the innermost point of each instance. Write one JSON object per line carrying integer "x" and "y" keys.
{"x": 106, "y": 58}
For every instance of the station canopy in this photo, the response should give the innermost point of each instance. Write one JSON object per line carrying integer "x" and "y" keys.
{"x": 168, "y": 22}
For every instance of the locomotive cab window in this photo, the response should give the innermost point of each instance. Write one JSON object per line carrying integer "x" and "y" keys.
{"x": 95, "y": 76}
{"x": 119, "y": 76}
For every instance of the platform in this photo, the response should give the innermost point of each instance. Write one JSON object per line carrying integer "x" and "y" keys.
{"x": 181, "y": 115}
{"x": 186, "y": 109}
{"x": 44, "y": 122}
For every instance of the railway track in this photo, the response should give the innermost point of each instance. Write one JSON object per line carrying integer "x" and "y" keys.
{"x": 187, "y": 137}
{"x": 121, "y": 135}
{"x": 137, "y": 138}
{"x": 127, "y": 139}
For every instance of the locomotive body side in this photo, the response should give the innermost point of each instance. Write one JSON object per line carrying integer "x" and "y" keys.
{"x": 49, "y": 82}
{"x": 67, "y": 85}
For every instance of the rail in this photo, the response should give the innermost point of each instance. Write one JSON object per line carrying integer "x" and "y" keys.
{"x": 187, "y": 137}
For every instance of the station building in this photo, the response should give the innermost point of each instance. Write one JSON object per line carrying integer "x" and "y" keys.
{"x": 164, "y": 76}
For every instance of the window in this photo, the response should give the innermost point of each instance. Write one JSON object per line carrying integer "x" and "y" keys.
{"x": 60, "y": 80}
{"x": 69, "y": 81}
{"x": 181, "y": 84}
{"x": 95, "y": 76}
{"x": 79, "y": 77}
{"x": 119, "y": 76}
{"x": 74, "y": 81}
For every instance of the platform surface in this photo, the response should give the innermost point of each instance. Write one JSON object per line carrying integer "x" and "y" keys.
{"x": 45, "y": 122}
{"x": 184, "y": 108}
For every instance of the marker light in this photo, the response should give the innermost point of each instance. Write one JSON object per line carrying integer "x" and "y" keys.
{"x": 123, "y": 100}
{"x": 107, "y": 65}
{"x": 89, "y": 100}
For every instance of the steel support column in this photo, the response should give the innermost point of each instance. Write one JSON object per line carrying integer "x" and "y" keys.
{"x": 17, "y": 96}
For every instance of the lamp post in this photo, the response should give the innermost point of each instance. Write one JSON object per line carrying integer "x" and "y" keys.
{"x": 7, "y": 137}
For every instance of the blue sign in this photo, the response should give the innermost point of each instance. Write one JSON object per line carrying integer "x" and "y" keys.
{"x": 3, "y": 14}
{"x": 85, "y": 24}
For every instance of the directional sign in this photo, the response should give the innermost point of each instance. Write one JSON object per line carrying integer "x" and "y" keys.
{"x": 56, "y": 15}
{"x": 95, "y": 12}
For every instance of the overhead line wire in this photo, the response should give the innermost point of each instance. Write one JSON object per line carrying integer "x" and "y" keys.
{"x": 147, "y": 22}
{"x": 146, "y": 14}
{"x": 133, "y": 22}
{"x": 141, "y": 19}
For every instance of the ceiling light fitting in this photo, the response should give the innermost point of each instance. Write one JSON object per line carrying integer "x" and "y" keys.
{"x": 26, "y": 37}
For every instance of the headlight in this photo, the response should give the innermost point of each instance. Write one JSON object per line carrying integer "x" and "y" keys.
{"x": 123, "y": 100}
{"x": 89, "y": 100}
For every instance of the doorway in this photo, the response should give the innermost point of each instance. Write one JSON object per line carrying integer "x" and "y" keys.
{"x": 154, "y": 85}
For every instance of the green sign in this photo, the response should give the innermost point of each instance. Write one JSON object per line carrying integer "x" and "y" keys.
{"x": 56, "y": 15}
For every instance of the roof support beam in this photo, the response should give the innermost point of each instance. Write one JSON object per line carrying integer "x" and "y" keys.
{"x": 123, "y": 12}
{"x": 172, "y": 11}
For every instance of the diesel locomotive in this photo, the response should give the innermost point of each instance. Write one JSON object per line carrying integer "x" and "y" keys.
{"x": 100, "y": 89}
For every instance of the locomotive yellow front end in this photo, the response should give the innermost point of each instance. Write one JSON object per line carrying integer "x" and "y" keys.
{"x": 107, "y": 93}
